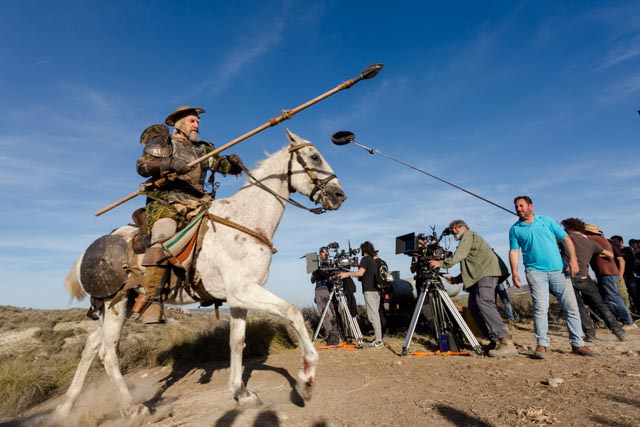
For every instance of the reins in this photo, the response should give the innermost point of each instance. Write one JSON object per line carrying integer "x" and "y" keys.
{"x": 319, "y": 185}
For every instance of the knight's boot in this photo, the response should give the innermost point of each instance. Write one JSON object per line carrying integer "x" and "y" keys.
{"x": 150, "y": 304}
{"x": 504, "y": 348}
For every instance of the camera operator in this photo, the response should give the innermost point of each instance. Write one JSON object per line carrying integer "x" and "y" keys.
{"x": 366, "y": 274}
{"x": 323, "y": 292}
{"x": 480, "y": 270}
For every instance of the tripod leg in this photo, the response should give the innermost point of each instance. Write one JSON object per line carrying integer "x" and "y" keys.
{"x": 443, "y": 327}
{"x": 438, "y": 315}
{"x": 324, "y": 314}
{"x": 414, "y": 322}
{"x": 350, "y": 321}
{"x": 457, "y": 317}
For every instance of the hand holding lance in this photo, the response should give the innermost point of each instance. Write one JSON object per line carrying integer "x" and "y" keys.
{"x": 370, "y": 72}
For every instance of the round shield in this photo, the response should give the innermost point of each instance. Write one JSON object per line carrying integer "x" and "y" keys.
{"x": 102, "y": 271}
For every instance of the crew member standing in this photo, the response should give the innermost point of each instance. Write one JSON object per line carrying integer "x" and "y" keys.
{"x": 480, "y": 271}
{"x": 366, "y": 272}
{"x": 322, "y": 296}
{"x": 537, "y": 237}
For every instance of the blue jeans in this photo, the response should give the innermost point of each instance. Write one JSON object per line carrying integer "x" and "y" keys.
{"x": 613, "y": 300}
{"x": 501, "y": 291}
{"x": 559, "y": 284}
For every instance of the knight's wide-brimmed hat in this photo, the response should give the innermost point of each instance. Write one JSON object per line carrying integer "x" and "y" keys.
{"x": 593, "y": 229}
{"x": 181, "y": 112}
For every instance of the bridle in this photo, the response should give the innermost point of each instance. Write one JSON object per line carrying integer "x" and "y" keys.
{"x": 319, "y": 185}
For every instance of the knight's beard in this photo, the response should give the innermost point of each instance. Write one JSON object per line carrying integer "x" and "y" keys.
{"x": 194, "y": 136}
{"x": 458, "y": 236}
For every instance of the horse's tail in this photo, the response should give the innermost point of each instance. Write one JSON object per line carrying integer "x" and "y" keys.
{"x": 72, "y": 281}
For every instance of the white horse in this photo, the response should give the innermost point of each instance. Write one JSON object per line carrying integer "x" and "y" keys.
{"x": 233, "y": 266}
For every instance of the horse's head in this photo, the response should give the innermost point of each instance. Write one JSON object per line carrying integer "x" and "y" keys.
{"x": 310, "y": 174}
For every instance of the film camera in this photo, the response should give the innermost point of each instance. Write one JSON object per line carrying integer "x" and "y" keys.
{"x": 423, "y": 248}
{"x": 449, "y": 328}
{"x": 338, "y": 260}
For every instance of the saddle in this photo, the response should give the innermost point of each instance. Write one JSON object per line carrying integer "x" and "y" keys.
{"x": 183, "y": 248}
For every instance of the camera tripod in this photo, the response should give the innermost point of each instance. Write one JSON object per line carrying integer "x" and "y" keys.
{"x": 350, "y": 327}
{"x": 449, "y": 326}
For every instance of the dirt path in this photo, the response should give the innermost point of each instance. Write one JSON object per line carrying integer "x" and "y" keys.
{"x": 380, "y": 388}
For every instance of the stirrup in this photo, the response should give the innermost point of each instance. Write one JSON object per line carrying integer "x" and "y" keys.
{"x": 153, "y": 313}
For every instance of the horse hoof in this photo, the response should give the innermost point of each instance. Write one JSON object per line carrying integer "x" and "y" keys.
{"x": 136, "y": 410}
{"x": 247, "y": 399}
{"x": 305, "y": 390}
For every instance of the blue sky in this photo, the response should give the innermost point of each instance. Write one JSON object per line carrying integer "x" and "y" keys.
{"x": 501, "y": 98}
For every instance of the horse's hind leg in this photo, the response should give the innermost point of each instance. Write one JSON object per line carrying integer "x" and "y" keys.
{"x": 90, "y": 350}
{"x": 260, "y": 299}
{"x": 111, "y": 329}
{"x": 237, "y": 332}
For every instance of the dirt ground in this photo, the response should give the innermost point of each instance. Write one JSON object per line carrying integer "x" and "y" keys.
{"x": 379, "y": 387}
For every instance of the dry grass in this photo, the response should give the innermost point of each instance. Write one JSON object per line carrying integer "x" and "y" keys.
{"x": 42, "y": 366}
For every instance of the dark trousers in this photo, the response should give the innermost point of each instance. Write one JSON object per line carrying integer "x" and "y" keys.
{"x": 633, "y": 291}
{"x": 482, "y": 303}
{"x": 587, "y": 294}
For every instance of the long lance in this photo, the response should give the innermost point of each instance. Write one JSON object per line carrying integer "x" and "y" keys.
{"x": 368, "y": 73}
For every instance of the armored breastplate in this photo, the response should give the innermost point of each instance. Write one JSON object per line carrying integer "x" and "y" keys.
{"x": 189, "y": 151}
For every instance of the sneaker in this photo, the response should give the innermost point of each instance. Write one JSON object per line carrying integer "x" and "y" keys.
{"x": 583, "y": 351}
{"x": 590, "y": 336}
{"x": 376, "y": 344}
{"x": 619, "y": 333}
{"x": 540, "y": 352}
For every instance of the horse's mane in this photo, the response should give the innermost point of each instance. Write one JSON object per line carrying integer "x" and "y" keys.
{"x": 258, "y": 169}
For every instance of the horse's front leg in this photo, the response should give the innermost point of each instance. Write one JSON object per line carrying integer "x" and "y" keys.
{"x": 257, "y": 298}
{"x": 237, "y": 332}
{"x": 111, "y": 332}
{"x": 90, "y": 350}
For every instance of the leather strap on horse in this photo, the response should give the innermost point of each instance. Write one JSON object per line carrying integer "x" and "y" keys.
{"x": 316, "y": 211}
{"x": 214, "y": 218}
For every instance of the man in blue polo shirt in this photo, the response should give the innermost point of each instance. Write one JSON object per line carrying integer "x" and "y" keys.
{"x": 537, "y": 237}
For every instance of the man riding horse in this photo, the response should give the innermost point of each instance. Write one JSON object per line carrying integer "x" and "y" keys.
{"x": 170, "y": 207}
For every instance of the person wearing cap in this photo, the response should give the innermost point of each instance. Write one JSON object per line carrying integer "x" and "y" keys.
{"x": 608, "y": 275}
{"x": 480, "y": 270}
{"x": 174, "y": 204}
{"x": 587, "y": 293}
{"x": 536, "y": 237}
